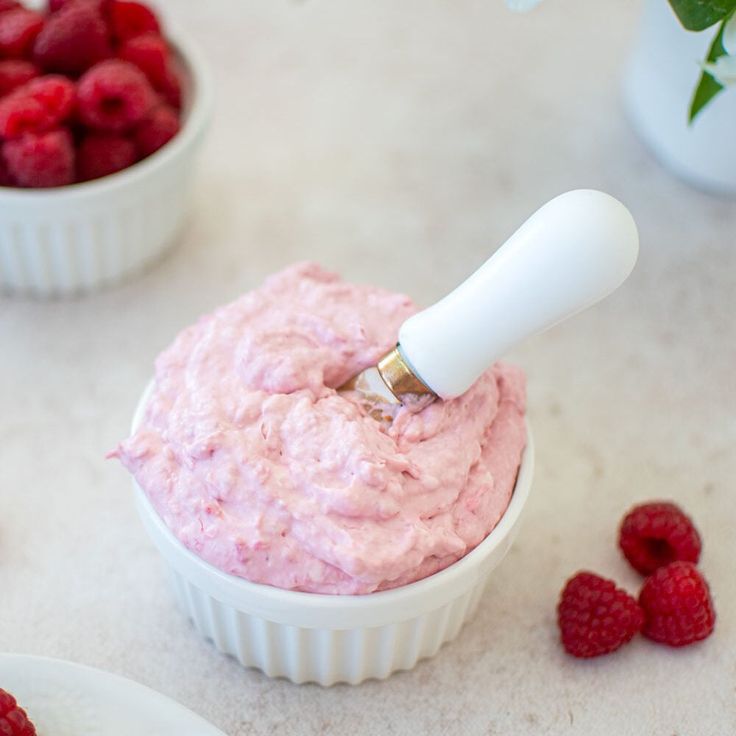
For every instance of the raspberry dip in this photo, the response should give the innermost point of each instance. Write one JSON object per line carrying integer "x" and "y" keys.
{"x": 257, "y": 464}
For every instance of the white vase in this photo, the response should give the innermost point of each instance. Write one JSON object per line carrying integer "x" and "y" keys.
{"x": 660, "y": 79}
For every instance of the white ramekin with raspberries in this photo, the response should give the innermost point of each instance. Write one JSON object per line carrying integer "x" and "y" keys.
{"x": 101, "y": 115}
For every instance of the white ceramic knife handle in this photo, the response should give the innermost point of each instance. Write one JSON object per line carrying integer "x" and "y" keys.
{"x": 568, "y": 255}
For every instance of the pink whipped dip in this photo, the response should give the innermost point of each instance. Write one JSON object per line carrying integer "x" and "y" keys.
{"x": 256, "y": 463}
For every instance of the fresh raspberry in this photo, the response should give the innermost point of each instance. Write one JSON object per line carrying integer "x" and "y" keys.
{"x": 161, "y": 125}
{"x": 677, "y": 606}
{"x": 56, "y": 93}
{"x": 45, "y": 160}
{"x": 40, "y": 105}
{"x": 20, "y": 115}
{"x": 655, "y": 534}
{"x": 73, "y": 39}
{"x": 101, "y": 154}
{"x": 13, "y": 719}
{"x": 150, "y": 53}
{"x": 18, "y": 31}
{"x": 114, "y": 96}
{"x": 595, "y": 617}
{"x": 9, "y": 5}
{"x": 131, "y": 19}
{"x": 14, "y": 73}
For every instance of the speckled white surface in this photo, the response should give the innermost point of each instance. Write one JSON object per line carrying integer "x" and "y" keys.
{"x": 399, "y": 143}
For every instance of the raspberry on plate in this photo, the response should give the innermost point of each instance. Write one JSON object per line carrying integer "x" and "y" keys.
{"x": 13, "y": 719}
{"x": 150, "y": 53}
{"x": 655, "y": 534}
{"x": 41, "y": 160}
{"x": 72, "y": 39}
{"x": 161, "y": 125}
{"x": 14, "y": 73}
{"x": 595, "y": 617}
{"x": 677, "y": 606}
{"x": 100, "y": 154}
{"x": 40, "y": 105}
{"x": 18, "y": 30}
{"x": 114, "y": 96}
{"x": 131, "y": 19}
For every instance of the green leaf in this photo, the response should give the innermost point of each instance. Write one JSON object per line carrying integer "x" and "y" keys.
{"x": 697, "y": 15}
{"x": 709, "y": 86}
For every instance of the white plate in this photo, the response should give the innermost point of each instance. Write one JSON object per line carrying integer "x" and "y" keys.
{"x": 66, "y": 699}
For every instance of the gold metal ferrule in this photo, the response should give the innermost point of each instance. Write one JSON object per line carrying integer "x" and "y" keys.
{"x": 403, "y": 383}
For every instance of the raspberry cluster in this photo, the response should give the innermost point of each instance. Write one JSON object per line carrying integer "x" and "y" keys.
{"x": 674, "y": 606}
{"x": 13, "y": 719}
{"x": 87, "y": 88}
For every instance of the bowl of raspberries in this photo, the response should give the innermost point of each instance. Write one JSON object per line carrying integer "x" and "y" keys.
{"x": 101, "y": 115}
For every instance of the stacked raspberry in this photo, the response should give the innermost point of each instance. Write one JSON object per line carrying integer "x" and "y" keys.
{"x": 13, "y": 719}
{"x": 674, "y": 607}
{"x": 86, "y": 89}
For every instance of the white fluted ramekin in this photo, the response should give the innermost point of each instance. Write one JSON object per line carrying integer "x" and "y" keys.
{"x": 75, "y": 239}
{"x": 308, "y": 637}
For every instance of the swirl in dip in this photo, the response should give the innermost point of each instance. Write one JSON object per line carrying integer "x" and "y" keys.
{"x": 258, "y": 465}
